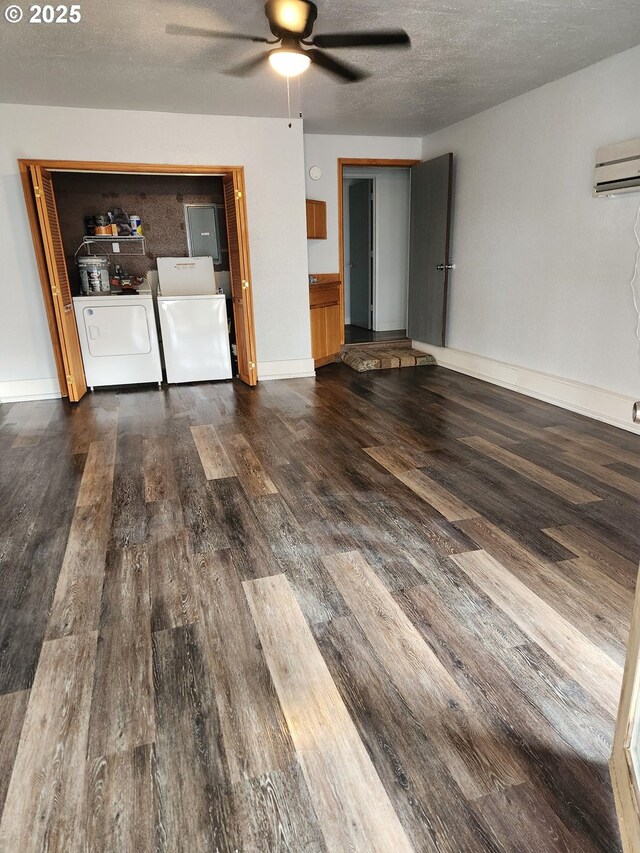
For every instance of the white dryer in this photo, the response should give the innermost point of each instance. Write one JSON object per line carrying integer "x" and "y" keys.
{"x": 118, "y": 339}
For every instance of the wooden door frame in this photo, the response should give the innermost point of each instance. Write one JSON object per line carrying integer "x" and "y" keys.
{"x": 356, "y": 161}
{"x": 625, "y": 784}
{"x": 90, "y": 166}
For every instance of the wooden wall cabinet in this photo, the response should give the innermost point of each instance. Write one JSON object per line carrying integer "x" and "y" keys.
{"x": 316, "y": 219}
{"x": 326, "y": 319}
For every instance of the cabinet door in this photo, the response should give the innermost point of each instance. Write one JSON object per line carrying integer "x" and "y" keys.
{"x": 326, "y": 322}
{"x": 318, "y": 333}
{"x": 316, "y": 219}
{"x": 311, "y": 219}
{"x": 320, "y": 215}
{"x": 334, "y": 330}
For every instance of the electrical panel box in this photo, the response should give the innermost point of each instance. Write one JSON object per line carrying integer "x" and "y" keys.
{"x": 203, "y": 234}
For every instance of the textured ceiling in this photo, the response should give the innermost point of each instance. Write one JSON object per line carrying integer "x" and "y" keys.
{"x": 467, "y": 55}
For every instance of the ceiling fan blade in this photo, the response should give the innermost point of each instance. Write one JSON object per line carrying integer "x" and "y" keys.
{"x": 374, "y": 38}
{"x": 347, "y": 73}
{"x": 179, "y": 30}
{"x": 248, "y": 67}
{"x": 294, "y": 16}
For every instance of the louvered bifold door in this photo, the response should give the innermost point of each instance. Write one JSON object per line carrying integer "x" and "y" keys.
{"x": 241, "y": 287}
{"x": 59, "y": 282}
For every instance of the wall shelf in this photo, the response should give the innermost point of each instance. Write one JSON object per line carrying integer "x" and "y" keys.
{"x": 128, "y": 246}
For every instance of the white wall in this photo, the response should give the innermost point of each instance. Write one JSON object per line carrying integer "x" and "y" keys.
{"x": 542, "y": 268}
{"x": 391, "y": 275}
{"x": 270, "y": 151}
{"x": 324, "y": 151}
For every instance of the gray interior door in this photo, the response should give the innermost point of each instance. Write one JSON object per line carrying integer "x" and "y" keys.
{"x": 360, "y": 246}
{"x": 429, "y": 252}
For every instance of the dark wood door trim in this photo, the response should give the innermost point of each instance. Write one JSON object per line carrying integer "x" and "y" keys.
{"x": 117, "y": 168}
{"x": 357, "y": 161}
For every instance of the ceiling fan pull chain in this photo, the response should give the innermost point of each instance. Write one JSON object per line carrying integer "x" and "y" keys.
{"x": 299, "y": 97}
{"x": 289, "y": 101}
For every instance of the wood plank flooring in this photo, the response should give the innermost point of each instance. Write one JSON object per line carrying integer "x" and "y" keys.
{"x": 375, "y": 612}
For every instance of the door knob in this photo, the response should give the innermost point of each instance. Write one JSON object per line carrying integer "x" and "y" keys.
{"x": 449, "y": 266}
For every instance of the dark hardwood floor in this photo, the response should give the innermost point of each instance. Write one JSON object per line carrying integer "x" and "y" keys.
{"x": 367, "y": 612}
{"x": 358, "y": 335}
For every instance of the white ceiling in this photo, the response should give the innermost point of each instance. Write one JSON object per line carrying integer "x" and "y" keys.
{"x": 467, "y": 55}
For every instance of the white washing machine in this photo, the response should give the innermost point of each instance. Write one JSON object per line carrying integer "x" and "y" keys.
{"x": 118, "y": 339}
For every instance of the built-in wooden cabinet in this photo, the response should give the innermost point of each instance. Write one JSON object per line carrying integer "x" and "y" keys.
{"x": 316, "y": 219}
{"x": 325, "y": 301}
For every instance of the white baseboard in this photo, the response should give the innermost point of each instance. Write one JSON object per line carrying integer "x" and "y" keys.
{"x": 290, "y": 369}
{"x": 24, "y": 390}
{"x": 598, "y": 403}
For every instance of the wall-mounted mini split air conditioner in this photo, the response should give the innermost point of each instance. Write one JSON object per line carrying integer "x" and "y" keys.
{"x": 617, "y": 169}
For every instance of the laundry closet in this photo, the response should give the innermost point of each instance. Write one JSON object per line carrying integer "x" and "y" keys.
{"x": 118, "y": 232}
{"x": 145, "y": 272}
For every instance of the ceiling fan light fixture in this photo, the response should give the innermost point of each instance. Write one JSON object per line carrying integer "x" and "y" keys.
{"x": 289, "y": 63}
{"x": 291, "y": 23}
{"x": 291, "y": 15}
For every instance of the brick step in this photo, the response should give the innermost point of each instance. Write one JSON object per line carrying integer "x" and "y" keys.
{"x": 377, "y": 357}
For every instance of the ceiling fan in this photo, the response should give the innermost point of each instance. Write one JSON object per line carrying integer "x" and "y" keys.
{"x": 291, "y": 22}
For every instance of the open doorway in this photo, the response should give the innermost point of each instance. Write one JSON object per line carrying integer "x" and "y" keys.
{"x": 427, "y": 251}
{"x": 375, "y": 232}
{"x": 42, "y": 207}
